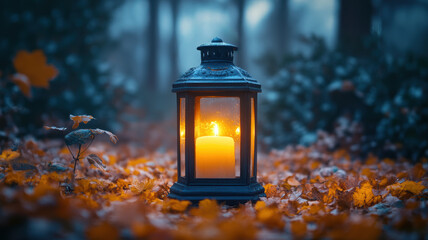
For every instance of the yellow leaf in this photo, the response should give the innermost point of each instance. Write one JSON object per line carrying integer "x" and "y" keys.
{"x": 8, "y": 155}
{"x": 271, "y": 218}
{"x": 173, "y": 205}
{"x": 33, "y": 65}
{"x": 207, "y": 208}
{"x": 259, "y": 205}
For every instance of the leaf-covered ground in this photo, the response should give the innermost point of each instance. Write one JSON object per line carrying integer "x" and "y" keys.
{"x": 311, "y": 193}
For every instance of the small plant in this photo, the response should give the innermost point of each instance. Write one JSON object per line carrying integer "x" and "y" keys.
{"x": 81, "y": 139}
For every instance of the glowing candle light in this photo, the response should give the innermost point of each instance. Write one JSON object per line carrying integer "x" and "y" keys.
{"x": 215, "y": 155}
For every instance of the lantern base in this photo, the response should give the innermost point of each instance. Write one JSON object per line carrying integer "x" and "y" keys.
{"x": 230, "y": 195}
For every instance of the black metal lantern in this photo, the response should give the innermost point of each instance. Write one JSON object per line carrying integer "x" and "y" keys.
{"x": 217, "y": 114}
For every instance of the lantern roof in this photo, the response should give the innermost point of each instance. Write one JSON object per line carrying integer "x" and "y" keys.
{"x": 216, "y": 72}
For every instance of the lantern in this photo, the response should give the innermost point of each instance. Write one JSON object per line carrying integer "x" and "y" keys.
{"x": 216, "y": 118}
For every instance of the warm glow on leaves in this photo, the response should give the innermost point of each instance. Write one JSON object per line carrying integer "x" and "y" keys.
{"x": 33, "y": 65}
{"x": 350, "y": 200}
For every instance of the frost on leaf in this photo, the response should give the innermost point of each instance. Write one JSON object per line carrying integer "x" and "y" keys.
{"x": 80, "y": 136}
{"x": 33, "y": 65}
{"x": 23, "y": 83}
{"x": 55, "y": 128}
{"x": 80, "y": 118}
{"x": 96, "y": 161}
{"x": 113, "y": 138}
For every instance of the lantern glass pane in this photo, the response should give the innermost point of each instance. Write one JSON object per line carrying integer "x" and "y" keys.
{"x": 182, "y": 137}
{"x": 253, "y": 136}
{"x": 217, "y": 137}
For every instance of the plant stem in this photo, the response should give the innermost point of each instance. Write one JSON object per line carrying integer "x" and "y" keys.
{"x": 76, "y": 159}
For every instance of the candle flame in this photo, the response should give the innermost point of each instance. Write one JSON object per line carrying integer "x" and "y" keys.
{"x": 215, "y": 128}
{"x": 182, "y": 133}
{"x": 238, "y": 131}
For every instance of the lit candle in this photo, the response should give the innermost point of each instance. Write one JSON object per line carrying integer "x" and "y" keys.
{"x": 215, "y": 156}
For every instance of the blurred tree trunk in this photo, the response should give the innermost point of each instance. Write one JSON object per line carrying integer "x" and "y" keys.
{"x": 175, "y": 4}
{"x": 241, "y": 61}
{"x": 354, "y": 25}
{"x": 281, "y": 26}
{"x": 152, "y": 57}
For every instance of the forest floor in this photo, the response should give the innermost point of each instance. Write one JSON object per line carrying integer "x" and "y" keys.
{"x": 311, "y": 193}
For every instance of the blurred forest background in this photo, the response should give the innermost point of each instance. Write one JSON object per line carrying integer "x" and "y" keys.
{"x": 351, "y": 72}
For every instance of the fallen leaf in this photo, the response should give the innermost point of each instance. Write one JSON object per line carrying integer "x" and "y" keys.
{"x": 175, "y": 206}
{"x": 298, "y": 228}
{"x": 33, "y": 65}
{"x": 207, "y": 208}
{"x": 364, "y": 197}
{"x": 293, "y": 182}
{"x": 259, "y": 205}
{"x": 405, "y": 189}
{"x": 8, "y": 155}
{"x": 270, "y": 190}
{"x": 271, "y": 218}
{"x": 96, "y": 161}
{"x": 102, "y": 231}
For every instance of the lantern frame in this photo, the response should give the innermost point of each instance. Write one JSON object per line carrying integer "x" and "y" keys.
{"x": 217, "y": 76}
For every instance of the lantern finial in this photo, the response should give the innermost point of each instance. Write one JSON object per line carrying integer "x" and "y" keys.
{"x": 216, "y": 40}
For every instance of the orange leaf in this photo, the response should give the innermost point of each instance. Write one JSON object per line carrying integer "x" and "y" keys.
{"x": 364, "y": 196}
{"x": 23, "y": 84}
{"x": 34, "y": 66}
{"x": 270, "y": 190}
{"x": 80, "y": 118}
{"x": 406, "y": 189}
